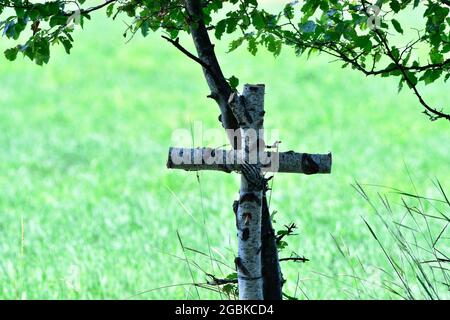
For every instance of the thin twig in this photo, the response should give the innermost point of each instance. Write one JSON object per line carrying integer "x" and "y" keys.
{"x": 295, "y": 259}
{"x": 176, "y": 44}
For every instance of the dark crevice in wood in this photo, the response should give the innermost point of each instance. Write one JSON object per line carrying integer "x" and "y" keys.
{"x": 245, "y": 234}
{"x": 271, "y": 271}
{"x": 249, "y": 197}
{"x": 309, "y": 165}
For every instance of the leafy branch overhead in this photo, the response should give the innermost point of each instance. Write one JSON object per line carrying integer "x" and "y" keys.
{"x": 407, "y": 39}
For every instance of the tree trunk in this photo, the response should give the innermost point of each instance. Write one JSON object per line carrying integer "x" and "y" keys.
{"x": 249, "y": 111}
{"x": 220, "y": 89}
{"x": 248, "y": 215}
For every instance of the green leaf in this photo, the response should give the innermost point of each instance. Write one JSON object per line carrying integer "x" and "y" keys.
{"x": 234, "y": 82}
{"x": 232, "y": 24}
{"x": 220, "y": 28}
{"x": 257, "y": 20}
{"x": 395, "y": 52}
{"x": 9, "y": 29}
{"x": 252, "y": 46}
{"x": 310, "y": 7}
{"x": 363, "y": 42}
{"x": 110, "y": 9}
{"x": 50, "y": 8}
{"x": 397, "y": 26}
{"x": 58, "y": 21}
{"x": 232, "y": 276}
{"x": 447, "y": 76}
{"x": 446, "y": 48}
{"x": 281, "y": 245}
{"x": 229, "y": 288}
{"x": 145, "y": 28}
{"x": 431, "y": 76}
{"x": 66, "y": 43}
{"x": 11, "y": 54}
{"x": 412, "y": 78}
{"x": 395, "y": 5}
{"x": 400, "y": 85}
{"x": 288, "y": 11}
{"x": 308, "y": 26}
{"x": 436, "y": 56}
{"x": 235, "y": 44}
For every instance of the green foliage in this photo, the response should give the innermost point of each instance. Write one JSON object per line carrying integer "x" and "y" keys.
{"x": 234, "y": 82}
{"x": 338, "y": 27}
{"x": 11, "y": 54}
{"x": 372, "y": 37}
{"x": 397, "y": 26}
{"x": 37, "y": 26}
{"x": 368, "y": 36}
{"x": 310, "y": 25}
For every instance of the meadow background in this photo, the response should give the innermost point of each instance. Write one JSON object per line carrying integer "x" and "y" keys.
{"x": 89, "y": 210}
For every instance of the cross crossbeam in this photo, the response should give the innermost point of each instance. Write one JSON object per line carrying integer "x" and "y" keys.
{"x": 197, "y": 159}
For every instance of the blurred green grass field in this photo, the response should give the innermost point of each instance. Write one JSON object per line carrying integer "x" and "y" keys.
{"x": 88, "y": 209}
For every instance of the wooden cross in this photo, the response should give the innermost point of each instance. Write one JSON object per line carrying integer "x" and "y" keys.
{"x": 251, "y": 159}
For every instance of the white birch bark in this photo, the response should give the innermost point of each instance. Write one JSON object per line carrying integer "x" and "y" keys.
{"x": 249, "y": 111}
{"x": 196, "y": 159}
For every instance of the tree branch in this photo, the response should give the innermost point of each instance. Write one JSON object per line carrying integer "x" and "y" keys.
{"x": 220, "y": 89}
{"x": 98, "y": 7}
{"x": 218, "y": 281}
{"x": 295, "y": 259}
{"x": 288, "y": 232}
{"x": 83, "y": 11}
{"x": 351, "y": 57}
{"x": 432, "y": 113}
{"x": 176, "y": 44}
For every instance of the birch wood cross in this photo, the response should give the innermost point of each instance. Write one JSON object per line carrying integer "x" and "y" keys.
{"x": 252, "y": 160}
